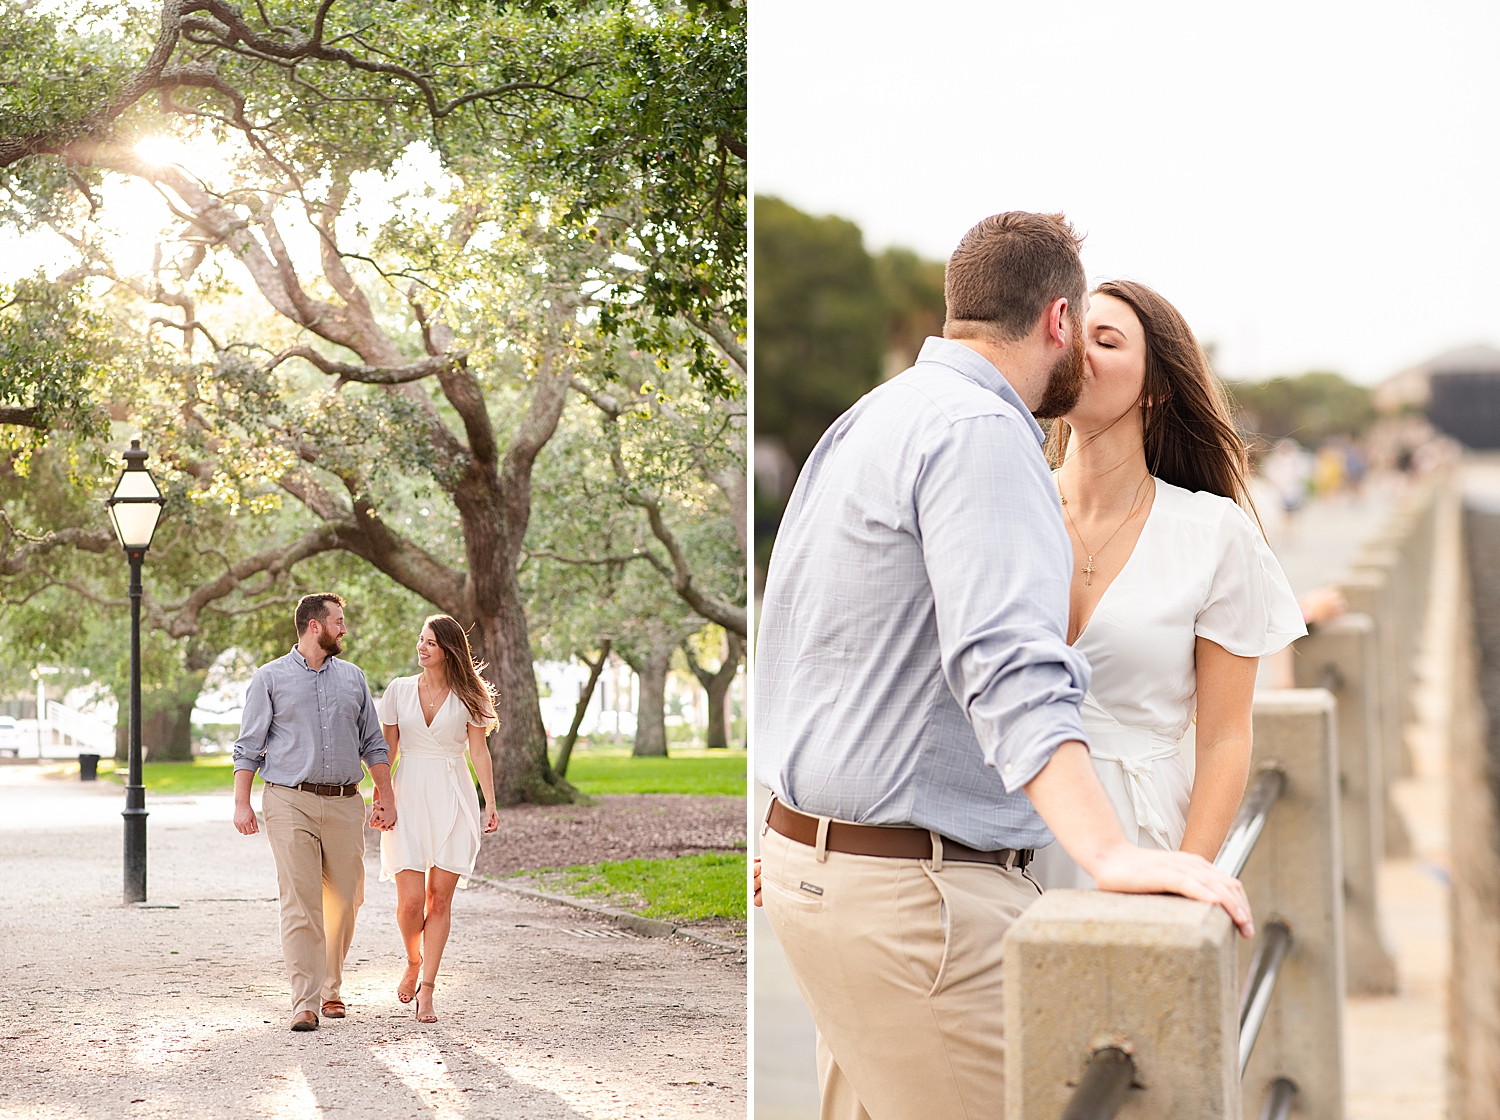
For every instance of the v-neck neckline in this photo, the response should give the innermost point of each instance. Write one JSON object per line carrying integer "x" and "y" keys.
{"x": 1125, "y": 567}
{"x": 421, "y": 708}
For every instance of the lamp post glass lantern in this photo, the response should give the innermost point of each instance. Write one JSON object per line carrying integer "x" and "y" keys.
{"x": 134, "y": 509}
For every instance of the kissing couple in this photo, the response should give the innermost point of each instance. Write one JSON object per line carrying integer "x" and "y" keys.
{"x": 310, "y": 729}
{"x": 978, "y": 638}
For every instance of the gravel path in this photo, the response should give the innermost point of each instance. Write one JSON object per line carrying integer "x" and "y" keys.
{"x": 120, "y": 1012}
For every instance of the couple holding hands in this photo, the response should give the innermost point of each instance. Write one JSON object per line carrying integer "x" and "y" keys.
{"x": 994, "y": 659}
{"x": 310, "y": 728}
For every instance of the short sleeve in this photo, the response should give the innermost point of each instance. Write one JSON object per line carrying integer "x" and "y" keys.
{"x": 1250, "y": 609}
{"x": 387, "y": 709}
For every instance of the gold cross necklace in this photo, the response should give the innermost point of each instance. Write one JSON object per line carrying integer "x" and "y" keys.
{"x": 1088, "y": 569}
{"x": 426, "y": 703}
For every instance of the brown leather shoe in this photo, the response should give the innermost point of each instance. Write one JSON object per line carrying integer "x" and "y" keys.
{"x": 305, "y": 1021}
{"x": 333, "y": 1009}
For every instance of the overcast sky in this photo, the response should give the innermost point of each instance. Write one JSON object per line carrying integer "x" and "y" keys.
{"x": 1315, "y": 186}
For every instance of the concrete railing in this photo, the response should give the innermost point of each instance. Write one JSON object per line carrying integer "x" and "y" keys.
{"x": 1159, "y": 978}
{"x": 1134, "y": 1005}
{"x": 1343, "y": 657}
{"x": 1390, "y": 581}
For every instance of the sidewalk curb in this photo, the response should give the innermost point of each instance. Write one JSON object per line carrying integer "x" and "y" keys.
{"x": 647, "y": 927}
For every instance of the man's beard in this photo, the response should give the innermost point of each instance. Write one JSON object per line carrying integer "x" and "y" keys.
{"x": 330, "y": 644}
{"x": 1064, "y": 382}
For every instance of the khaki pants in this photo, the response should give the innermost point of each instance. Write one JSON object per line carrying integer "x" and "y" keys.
{"x": 319, "y": 846}
{"x": 899, "y": 962}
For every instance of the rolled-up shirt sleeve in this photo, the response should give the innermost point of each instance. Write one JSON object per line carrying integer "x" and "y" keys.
{"x": 372, "y": 745}
{"x": 255, "y": 723}
{"x": 999, "y": 562}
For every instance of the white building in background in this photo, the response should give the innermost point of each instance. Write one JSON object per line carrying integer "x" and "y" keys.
{"x": 616, "y": 700}
{"x": 611, "y": 710}
{"x": 78, "y": 725}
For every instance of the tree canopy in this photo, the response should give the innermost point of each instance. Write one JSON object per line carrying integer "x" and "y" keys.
{"x": 1309, "y": 408}
{"x": 831, "y": 321}
{"x": 433, "y": 233}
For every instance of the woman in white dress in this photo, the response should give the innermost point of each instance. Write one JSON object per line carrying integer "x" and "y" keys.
{"x": 1175, "y": 594}
{"x": 430, "y": 721}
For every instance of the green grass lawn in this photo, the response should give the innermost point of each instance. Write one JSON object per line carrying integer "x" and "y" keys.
{"x": 207, "y": 774}
{"x": 685, "y": 889}
{"x": 594, "y": 772}
{"x": 211, "y": 774}
{"x": 701, "y": 772}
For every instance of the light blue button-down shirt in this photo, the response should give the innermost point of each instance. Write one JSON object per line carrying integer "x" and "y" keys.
{"x": 309, "y": 725}
{"x": 913, "y": 665}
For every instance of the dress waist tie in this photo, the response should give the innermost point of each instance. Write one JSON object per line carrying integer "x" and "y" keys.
{"x": 1136, "y": 751}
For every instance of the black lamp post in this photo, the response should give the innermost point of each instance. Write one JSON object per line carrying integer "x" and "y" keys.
{"x": 135, "y": 507}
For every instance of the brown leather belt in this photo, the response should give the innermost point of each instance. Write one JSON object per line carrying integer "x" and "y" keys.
{"x": 329, "y": 791}
{"x": 878, "y": 840}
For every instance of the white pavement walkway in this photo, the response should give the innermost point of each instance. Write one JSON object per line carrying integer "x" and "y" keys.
{"x": 545, "y": 1012}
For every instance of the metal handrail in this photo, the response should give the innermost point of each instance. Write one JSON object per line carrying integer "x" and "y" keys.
{"x": 1279, "y": 1097}
{"x": 1256, "y": 996}
{"x": 1249, "y": 821}
{"x": 1103, "y": 1087}
{"x": 1111, "y": 1071}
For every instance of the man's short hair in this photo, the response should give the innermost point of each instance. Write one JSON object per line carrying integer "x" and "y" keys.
{"x": 316, "y": 606}
{"x": 1005, "y": 272}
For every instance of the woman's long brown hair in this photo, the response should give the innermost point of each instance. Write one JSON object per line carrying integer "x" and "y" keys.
{"x": 462, "y": 671}
{"x": 1191, "y": 439}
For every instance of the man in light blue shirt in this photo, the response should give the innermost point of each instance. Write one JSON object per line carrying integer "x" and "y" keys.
{"x": 916, "y": 700}
{"x": 311, "y": 729}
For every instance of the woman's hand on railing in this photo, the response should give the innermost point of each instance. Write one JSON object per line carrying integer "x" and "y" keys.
{"x": 1133, "y": 870}
{"x": 1070, "y": 799}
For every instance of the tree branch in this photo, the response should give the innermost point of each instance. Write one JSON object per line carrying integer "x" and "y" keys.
{"x": 726, "y": 341}
{"x": 146, "y": 79}
{"x": 728, "y": 667}
{"x": 363, "y": 532}
{"x": 709, "y": 606}
{"x": 623, "y": 558}
{"x": 276, "y": 562}
{"x": 367, "y": 375}
{"x": 22, "y": 417}
{"x": 680, "y": 574}
{"x": 88, "y": 540}
{"x": 548, "y": 396}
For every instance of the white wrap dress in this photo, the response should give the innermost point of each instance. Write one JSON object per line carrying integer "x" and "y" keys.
{"x": 437, "y": 808}
{"x": 1200, "y": 569}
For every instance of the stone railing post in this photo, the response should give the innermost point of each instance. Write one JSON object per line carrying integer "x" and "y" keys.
{"x": 1383, "y": 558}
{"x": 1157, "y": 976}
{"x": 1152, "y": 974}
{"x": 1342, "y": 656}
{"x": 1295, "y": 874}
{"x": 1369, "y": 592}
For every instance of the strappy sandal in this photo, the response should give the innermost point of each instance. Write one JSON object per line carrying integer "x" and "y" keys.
{"x": 429, "y": 1017}
{"x": 406, "y": 995}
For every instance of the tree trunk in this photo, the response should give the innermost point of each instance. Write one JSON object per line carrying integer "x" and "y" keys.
{"x": 716, "y": 684}
{"x": 518, "y": 748}
{"x": 167, "y": 713}
{"x": 717, "y": 690}
{"x": 565, "y": 752}
{"x": 167, "y": 731}
{"x": 651, "y": 665}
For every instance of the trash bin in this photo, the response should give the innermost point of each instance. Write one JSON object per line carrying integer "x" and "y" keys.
{"x": 88, "y": 768}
